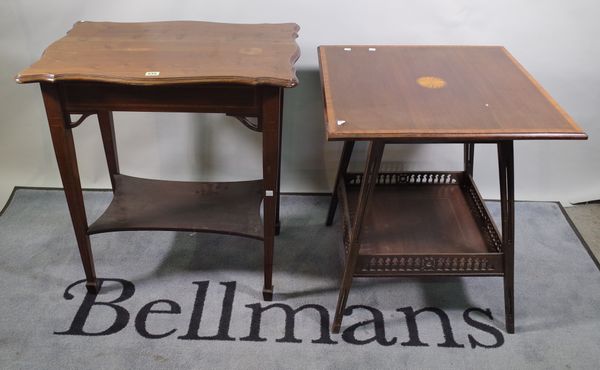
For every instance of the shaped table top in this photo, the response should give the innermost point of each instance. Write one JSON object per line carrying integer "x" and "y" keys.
{"x": 171, "y": 53}
{"x": 436, "y": 93}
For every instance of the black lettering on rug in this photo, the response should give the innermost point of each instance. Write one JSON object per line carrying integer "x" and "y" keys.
{"x": 89, "y": 301}
{"x": 480, "y": 332}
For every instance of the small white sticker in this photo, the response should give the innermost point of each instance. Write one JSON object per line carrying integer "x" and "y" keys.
{"x": 150, "y": 74}
{"x": 372, "y": 49}
{"x": 340, "y": 122}
{"x": 269, "y": 193}
{"x": 347, "y": 49}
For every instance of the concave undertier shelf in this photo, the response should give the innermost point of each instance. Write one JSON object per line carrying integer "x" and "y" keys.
{"x": 219, "y": 207}
{"x": 423, "y": 223}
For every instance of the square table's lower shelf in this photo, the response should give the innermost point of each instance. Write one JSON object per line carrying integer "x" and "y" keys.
{"x": 220, "y": 207}
{"x": 422, "y": 223}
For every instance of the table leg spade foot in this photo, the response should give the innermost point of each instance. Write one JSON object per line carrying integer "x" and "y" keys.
{"x": 510, "y": 325}
{"x": 268, "y": 294}
{"x": 335, "y": 328}
{"x": 93, "y": 287}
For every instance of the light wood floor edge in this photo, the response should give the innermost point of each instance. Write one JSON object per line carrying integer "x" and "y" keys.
{"x": 579, "y": 236}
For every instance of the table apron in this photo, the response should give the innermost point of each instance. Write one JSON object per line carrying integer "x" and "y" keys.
{"x": 240, "y": 100}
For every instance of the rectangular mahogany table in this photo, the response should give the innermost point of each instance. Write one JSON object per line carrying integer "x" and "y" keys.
{"x": 429, "y": 223}
{"x": 239, "y": 70}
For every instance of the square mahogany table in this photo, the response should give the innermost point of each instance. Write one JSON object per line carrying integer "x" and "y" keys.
{"x": 239, "y": 70}
{"x": 429, "y": 223}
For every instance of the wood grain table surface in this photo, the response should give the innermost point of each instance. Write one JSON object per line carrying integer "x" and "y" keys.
{"x": 436, "y": 93}
{"x": 171, "y": 53}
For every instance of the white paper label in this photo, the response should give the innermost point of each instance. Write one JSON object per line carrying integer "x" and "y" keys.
{"x": 150, "y": 74}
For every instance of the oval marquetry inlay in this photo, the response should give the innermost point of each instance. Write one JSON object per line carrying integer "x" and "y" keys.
{"x": 431, "y": 82}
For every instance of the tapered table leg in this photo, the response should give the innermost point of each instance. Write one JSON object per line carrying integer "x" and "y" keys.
{"x": 64, "y": 148}
{"x": 107, "y": 129}
{"x": 277, "y": 221}
{"x": 369, "y": 179}
{"x": 507, "y": 200}
{"x": 341, "y": 172}
{"x": 270, "y": 117}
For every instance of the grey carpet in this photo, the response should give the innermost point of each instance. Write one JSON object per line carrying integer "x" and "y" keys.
{"x": 557, "y": 299}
